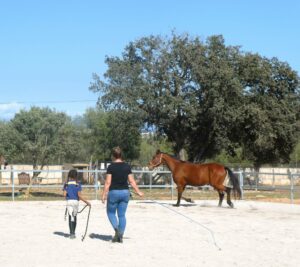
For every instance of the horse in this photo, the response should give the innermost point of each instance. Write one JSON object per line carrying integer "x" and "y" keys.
{"x": 186, "y": 173}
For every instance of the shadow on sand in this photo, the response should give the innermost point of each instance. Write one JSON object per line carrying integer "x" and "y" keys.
{"x": 101, "y": 237}
{"x": 167, "y": 204}
{"x": 61, "y": 234}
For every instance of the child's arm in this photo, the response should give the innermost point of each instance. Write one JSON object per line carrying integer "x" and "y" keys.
{"x": 64, "y": 191}
{"x": 82, "y": 198}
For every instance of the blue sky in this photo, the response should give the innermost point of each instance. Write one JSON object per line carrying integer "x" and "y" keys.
{"x": 49, "y": 49}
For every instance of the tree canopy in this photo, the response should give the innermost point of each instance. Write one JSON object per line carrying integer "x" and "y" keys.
{"x": 206, "y": 97}
{"x": 38, "y": 136}
{"x": 42, "y": 136}
{"x": 106, "y": 130}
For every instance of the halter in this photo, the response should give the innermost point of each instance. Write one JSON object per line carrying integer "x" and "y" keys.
{"x": 160, "y": 161}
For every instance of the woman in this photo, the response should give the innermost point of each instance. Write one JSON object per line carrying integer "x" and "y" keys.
{"x": 117, "y": 192}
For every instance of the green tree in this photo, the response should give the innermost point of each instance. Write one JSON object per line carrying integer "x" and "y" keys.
{"x": 149, "y": 144}
{"x": 39, "y": 136}
{"x": 206, "y": 97}
{"x": 124, "y": 131}
{"x": 96, "y": 134}
{"x": 180, "y": 85}
{"x": 216, "y": 101}
{"x": 106, "y": 130}
{"x": 10, "y": 142}
{"x": 270, "y": 116}
{"x": 295, "y": 157}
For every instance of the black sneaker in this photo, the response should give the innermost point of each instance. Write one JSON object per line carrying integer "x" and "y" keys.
{"x": 116, "y": 237}
{"x": 72, "y": 236}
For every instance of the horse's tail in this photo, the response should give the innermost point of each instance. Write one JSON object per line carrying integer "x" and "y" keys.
{"x": 235, "y": 183}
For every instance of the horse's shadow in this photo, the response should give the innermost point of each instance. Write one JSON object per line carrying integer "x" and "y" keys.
{"x": 184, "y": 205}
{"x": 168, "y": 204}
{"x": 101, "y": 237}
{"x": 204, "y": 205}
{"x": 61, "y": 234}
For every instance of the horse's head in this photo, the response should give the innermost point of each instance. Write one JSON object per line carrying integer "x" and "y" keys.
{"x": 156, "y": 160}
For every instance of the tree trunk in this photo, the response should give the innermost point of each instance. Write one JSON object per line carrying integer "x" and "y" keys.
{"x": 35, "y": 174}
{"x": 182, "y": 154}
{"x": 256, "y": 170}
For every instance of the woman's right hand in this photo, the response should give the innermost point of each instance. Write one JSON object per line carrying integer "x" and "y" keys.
{"x": 141, "y": 194}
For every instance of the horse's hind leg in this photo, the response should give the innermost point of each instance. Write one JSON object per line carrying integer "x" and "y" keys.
{"x": 228, "y": 189}
{"x": 221, "y": 196}
{"x": 220, "y": 188}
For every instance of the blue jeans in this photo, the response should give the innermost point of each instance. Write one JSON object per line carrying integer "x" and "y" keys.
{"x": 117, "y": 201}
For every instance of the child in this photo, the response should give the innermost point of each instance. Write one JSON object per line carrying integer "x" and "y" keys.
{"x": 72, "y": 192}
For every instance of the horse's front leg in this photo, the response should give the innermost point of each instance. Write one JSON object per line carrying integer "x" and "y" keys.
{"x": 180, "y": 190}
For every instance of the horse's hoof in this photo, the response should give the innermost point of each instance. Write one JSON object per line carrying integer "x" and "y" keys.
{"x": 231, "y": 205}
{"x": 176, "y": 205}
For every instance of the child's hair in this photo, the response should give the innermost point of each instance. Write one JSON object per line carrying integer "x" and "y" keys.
{"x": 117, "y": 152}
{"x": 72, "y": 174}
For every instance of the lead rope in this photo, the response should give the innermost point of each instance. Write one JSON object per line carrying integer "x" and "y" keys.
{"x": 66, "y": 211}
{"x": 87, "y": 222}
{"x": 191, "y": 220}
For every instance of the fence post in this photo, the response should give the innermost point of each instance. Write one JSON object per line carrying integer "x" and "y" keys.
{"x": 241, "y": 178}
{"x": 12, "y": 184}
{"x": 256, "y": 180}
{"x": 96, "y": 183}
{"x": 291, "y": 177}
{"x": 150, "y": 183}
{"x": 172, "y": 187}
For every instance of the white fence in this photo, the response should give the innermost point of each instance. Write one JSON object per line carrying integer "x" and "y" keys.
{"x": 13, "y": 180}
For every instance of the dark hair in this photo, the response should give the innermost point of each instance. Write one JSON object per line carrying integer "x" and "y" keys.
{"x": 72, "y": 174}
{"x": 117, "y": 152}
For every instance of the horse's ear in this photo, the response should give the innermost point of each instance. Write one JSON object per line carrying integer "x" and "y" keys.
{"x": 158, "y": 152}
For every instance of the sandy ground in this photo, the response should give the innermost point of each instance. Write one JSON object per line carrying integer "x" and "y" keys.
{"x": 157, "y": 234}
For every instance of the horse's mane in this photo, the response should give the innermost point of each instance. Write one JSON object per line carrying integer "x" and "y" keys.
{"x": 175, "y": 157}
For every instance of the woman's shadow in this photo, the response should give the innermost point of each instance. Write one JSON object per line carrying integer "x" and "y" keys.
{"x": 101, "y": 237}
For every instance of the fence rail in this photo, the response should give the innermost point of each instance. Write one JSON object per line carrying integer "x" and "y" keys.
{"x": 94, "y": 179}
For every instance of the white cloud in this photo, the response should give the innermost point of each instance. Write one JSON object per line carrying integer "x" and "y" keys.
{"x": 8, "y": 110}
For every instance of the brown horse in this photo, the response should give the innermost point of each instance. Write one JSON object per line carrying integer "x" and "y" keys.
{"x": 186, "y": 173}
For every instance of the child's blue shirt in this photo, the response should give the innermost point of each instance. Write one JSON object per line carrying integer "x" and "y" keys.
{"x": 72, "y": 188}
